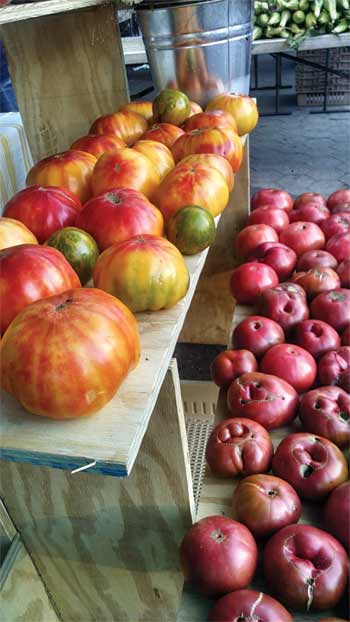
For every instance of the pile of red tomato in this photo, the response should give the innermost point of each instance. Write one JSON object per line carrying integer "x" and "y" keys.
{"x": 290, "y": 359}
{"x": 103, "y": 209}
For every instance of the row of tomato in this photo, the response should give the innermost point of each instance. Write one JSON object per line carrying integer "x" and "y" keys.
{"x": 283, "y": 365}
{"x": 95, "y": 198}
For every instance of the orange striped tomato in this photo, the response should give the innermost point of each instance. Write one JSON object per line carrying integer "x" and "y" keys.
{"x": 13, "y": 232}
{"x": 65, "y": 357}
{"x": 165, "y": 133}
{"x": 218, "y": 162}
{"x": 242, "y": 107}
{"x": 192, "y": 183}
{"x": 210, "y": 118}
{"x": 146, "y": 272}
{"x": 220, "y": 141}
{"x": 145, "y": 109}
{"x": 160, "y": 156}
{"x": 195, "y": 108}
{"x": 126, "y": 124}
{"x": 125, "y": 168}
{"x": 98, "y": 144}
{"x": 71, "y": 170}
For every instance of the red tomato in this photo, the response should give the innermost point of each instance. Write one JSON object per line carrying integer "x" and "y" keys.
{"x": 101, "y": 345}
{"x": 250, "y": 237}
{"x": 341, "y": 208}
{"x": 265, "y": 504}
{"x": 257, "y": 334}
{"x": 239, "y": 446}
{"x": 210, "y": 118}
{"x": 273, "y": 197}
{"x": 306, "y": 568}
{"x": 278, "y": 256}
{"x": 316, "y": 259}
{"x": 13, "y": 233}
{"x": 292, "y": 363}
{"x": 71, "y": 170}
{"x": 221, "y": 141}
{"x": 336, "y": 514}
{"x": 98, "y": 144}
{"x": 267, "y": 399}
{"x": 249, "y": 280}
{"x": 302, "y": 237}
{"x": 343, "y": 272}
{"x": 218, "y": 555}
{"x": 310, "y": 212}
{"x": 326, "y": 411}
{"x": 332, "y": 307}
{"x": 339, "y": 246}
{"x": 125, "y": 168}
{"x": 232, "y": 363}
{"x": 28, "y": 273}
{"x": 126, "y": 124}
{"x": 309, "y": 197}
{"x": 118, "y": 215}
{"x": 192, "y": 183}
{"x": 272, "y": 216}
{"x": 242, "y": 107}
{"x": 334, "y": 368}
{"x": 285, "y": 304}
{"x": 317, "y": 280}
{"x": 316, "y": 337}
{"x": 337, "y": 223}
{"x": 345, "y": 338}
{"x": 248, "y": 605}
{"x": 313, "y": 465}
{"x": 165, "y": 133}
{"x": 338, "y": 197}
{"x": 44, "y": 209}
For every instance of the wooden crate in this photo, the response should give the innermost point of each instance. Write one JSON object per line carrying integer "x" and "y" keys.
{"x": 311, "y": 82}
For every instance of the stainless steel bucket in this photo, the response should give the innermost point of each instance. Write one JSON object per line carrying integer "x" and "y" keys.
{"x": 202, "y": 48}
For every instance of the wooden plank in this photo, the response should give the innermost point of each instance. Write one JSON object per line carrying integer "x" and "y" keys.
{"x": 26, "y": 11}
{"x": 23, "y": 596}
{"x": 107, "y": 548}
{"x": 76, "y": 68}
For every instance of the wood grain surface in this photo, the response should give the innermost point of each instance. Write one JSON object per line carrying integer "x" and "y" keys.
{"x": 77, "y": 73}
{"x": 107, "y": 548}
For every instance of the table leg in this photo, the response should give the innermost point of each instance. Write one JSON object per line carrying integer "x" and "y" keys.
{"x": 107, "y": 548}
{"x": 77, "y": 73}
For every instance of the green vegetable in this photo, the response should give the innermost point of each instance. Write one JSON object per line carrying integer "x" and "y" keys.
{"x": 284, "y": 34}
{"x": 274, "y": 19}
{"x": 260, "y": 7}
{"x": 273, "y": 32}
{"x": 304, "y": 5}
{"x": 285, "y": 17}
{"x": 324, "y": 18}
{"x": 310, "y": 21}
{"x": 294, "y": 28}
{"x": 318, "y": 4}
{"x": 343, "y": 5}
{"x": 257, "y": 33}
{"x": 342, "y": 26}
{"x": 262, "y": 20}
{"x": 331, "y": 7}
{"x": 291, "y": 5}
{"x": 298, "y": 17}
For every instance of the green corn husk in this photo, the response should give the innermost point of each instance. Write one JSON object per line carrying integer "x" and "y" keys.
{"x": 257, "y": 33}
{"x": 298, "y": 17}
{"x": 342, "y": 26}
{"x": 272, "y": 31}
{"x": 343, "y": 5}
{"x": 310, "y": 21}
{"x": 260, "y": 7}
{"x": 304, "y": 5}
{"x": 331, "y": 7}
{"x": 317, "y": 7}
{"x": 324, "y": 18}
{"x": 274, "y": 19}
{"x": 285, "y": 17}
{"x": 262, "y": 20}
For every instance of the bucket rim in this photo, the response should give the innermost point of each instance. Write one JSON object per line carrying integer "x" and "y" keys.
{"x": 166, "y": 5}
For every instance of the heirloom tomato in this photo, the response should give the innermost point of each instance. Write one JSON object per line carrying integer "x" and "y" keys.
{"x": 239, "y": 446}
{"x": 195, "y": 108}
{"x": 316, "y": 259}
{"x": 345, "y": 338}
{"x": 302, "y": 237}
{"x": 71, "y": 170}
{"x": 230, "y": 364}
{"x": 79, "y": 248}
{"x": 336, "y": 514}
{"x": 332, "y": 307}
{"x": 278, "y": 256}
{"x": 267, "y": 399}
{"x": 242, "y": 107}
{"x": 249, "y": 280}
{"x": 126, "y": 124}
{"x": 309, "y": 197}
{"x": 218, "y": 555}
{"x": 326, "y": 411}
{"x": 191, "y": 229}
{"x": 257, "y": 334}
{"x": 265, "y": 504}
{"x": 317, "y": 280}
{"x": 44, "y": 209}
{"x": 118, "y": 215}
{"x": 334, "y": 368}
{"x": 192, "y": 183}
{"x": 338, "y": 197}
{"x": 165, "y": 133}
{"x": 85, "y": 343}
{"x": 310, "y": 212}
{"x": 343, "y": 271}
{"x": 292, "y": 363}
{"x": 316, "y": 337}
{"x": 214, "y": 161}
{"x": 13, "y": 232}
{"x": 271, "y": 216}
{"x": 274, "y": 197}
{"x": 160, "y": 156}
{"x": 252, "y": 236}
{"x": 312, "y": 464}
{"x": 210, "y": 118}
{"x": 98, "y": 144}
{"x": 171, "y": 106}
{"x": 217, "y": 140}
{"x": 337, "y": 223}
{"x": 146, "y": 272}
{"x": 30, "y": 272}
{"x": 306, "y": 568}
{"x": 339, "y": 246}
{"x": 285, "y": 304}
{"x": 125, "y": 168}
{"x": 248, "y": 605}
{"x": 145, "y": 109}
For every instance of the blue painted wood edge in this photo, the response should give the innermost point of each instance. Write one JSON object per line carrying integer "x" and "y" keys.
{"x": 63, "y": 462}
